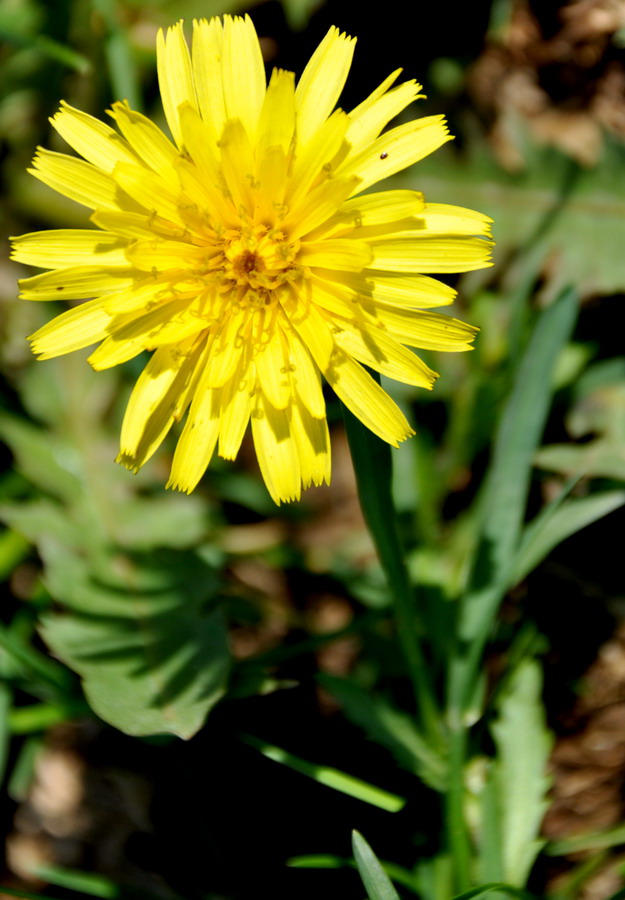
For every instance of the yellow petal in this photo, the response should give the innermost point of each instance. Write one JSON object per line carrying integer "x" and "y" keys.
{"x": 80, "y": 181}
{"x": 228, "y": 348}
{"x": 380, "y": 351}
{"x": 148, "y": 141}
{"x": 365, "y": 126}
{"x": 206, "y": 52}
{"x": 197, "y": 442}
{"x": 149, "y": 414}
{"x": 364, "y": 397}
{"x": 152, "y": 192}
{"x": 76, "y": 283}
{"x": 237, "y": 161}
{"x": 313, "y": 446}
{"x": 271, "y": 174}
{"x": 396, "y": 149}
{"x": 136, "y": 225}
{"x": 174, "y": 76}
{"x": 315, "y": 162}
{"x": 417, "y": 252}
{"x": 159, "y": 256}
{"x": 273, "y": 370}
{"x": 237, "y": 398}
{"x": 143, "y": 294}
{"x": 243, "y": 72}
{"x": 277, "y": 118}
{"x": 277, "y": 452}
{"x": 97, "y": 142}
{"x": 418, "y": 291}
{"x": 72, "y": 330}
{"x": 304, "y": 373}
{"x": 337, "y": 253}
{"x": 440, "y": 218}
{"x": 322, "y": 81}
{"x": 427, "y": 330}
{"x": 204, "y": 176}
{"x": 374, "y": 96}
{"x": 69, "y": 247}
{"x": 383, "y": 208}
{"x": 318, "y": 206}
{"x": 309, "y": 323}
{"x": 169, "y": 323}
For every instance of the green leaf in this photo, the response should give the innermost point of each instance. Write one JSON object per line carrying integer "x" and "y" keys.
{"x": 523, "y": 744}
{"x": 600, "y": 458}
{"x": 144, "y": 634}
{"x": 377, "y": 883}
{"x": 548, "y": 530}
{"x": 371, "y": 458}
{"x": 75, "y": 880}
{"x": 594, "y": 840}
{"x": 328, "y": 776}
{"x": 390, "y": 728}
{"x": 475, "y": 893}
{"x": 506, "y": 488}
{"x": 318, "y": 861}
{"x": 43, "y": 458}
{"x": 6, "y": 698}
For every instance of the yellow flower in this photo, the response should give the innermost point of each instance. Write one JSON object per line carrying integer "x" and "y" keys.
{"x": 245, "y": 255}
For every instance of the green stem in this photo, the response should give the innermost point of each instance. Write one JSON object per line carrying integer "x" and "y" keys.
{"x": 457, "y": 834}
{"x": 372, "y": 464}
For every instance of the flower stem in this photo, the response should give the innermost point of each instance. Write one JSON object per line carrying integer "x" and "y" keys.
{"x": 372, "y": 464}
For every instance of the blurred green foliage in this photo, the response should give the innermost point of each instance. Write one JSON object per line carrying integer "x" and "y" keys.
{"x": 120, "y": 596}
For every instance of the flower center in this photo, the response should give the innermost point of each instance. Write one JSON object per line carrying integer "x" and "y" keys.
{"x": 258, "y": 259}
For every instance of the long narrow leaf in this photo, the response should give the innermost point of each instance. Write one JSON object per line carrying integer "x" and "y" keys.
{"x": 373, "y": 468}
{"x": 507, "y": 488}
{"x": 546, "y": 532}
{"x": 328, "y": 776}
{"x": 379, "y": 886}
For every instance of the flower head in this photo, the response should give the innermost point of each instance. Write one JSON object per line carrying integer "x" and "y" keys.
{"x": 244, "y": 255}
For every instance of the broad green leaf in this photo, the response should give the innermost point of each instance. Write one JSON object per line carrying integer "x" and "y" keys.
{"x": 43, "y": 519}
{"x": 144, "y": 634}
{"x": 523, "y": 744}
{"x": 390, "y": 728}
{"x": 165, "y": 520}
{"x": 547, "y": 532}
{"x": 377, "y": 883}
{"x": 45, "y": 459}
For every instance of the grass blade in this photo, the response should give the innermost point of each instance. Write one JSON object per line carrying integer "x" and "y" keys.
{"x": 548, "y": 530}
{"x": 506, "y": 489}
{"x": 326, "y": 775}
{"x": 379, "y": 886}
